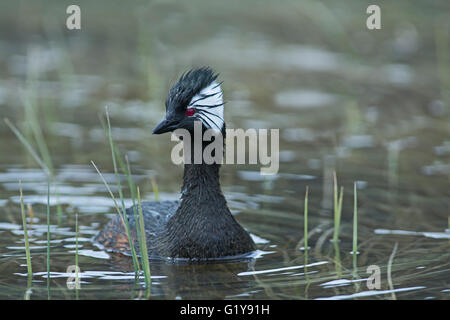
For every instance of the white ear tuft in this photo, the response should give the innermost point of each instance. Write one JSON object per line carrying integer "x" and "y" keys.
{"x": 208, "y": 104}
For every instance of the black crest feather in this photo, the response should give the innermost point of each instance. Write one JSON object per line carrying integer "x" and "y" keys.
{"x": 190, "y": 84}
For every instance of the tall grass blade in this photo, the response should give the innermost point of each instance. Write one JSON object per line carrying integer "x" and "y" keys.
{"x": 45, "y": 166}
{"x": 337, "y": 208}
{"x": 305, "y": 214}
{"x": 48, "y": 238}
{"x": 144, "y": 252}
{"x": 29, "y": 290}
{"x": 119, "y": 186}
{"x": 125, "y": 167}
{"x": 355, "y": 236}
{"x": 48, "y": 172}
{"x": 305, "y": 218}
{"x": 77, "y": 279}
{"x": 124, "y": 220}
{"x": 355, "y": 220}
{"x": 37, "y": 132}
{"x": 113, "y": 155}
{"x": 41, "y": 145}
{"x": 25, "y": 232}
{"x": 132, "y": 187}
{"x": 28, "y": 146}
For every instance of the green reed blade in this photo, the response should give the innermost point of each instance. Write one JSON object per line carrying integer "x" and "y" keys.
{"x": 125, "y": 169}
{"x": 25, "y": 232}
{"x": 37, "y": 131}
{"x": 113, "y": 155}
{"x": 124, "y": 220}
{"x": 27, "y": 146}
{"x": 119, "y": 186}
{"x": 305, "y": 215}
{"x": 355, "y": 220}
{"x": 337, "y": 208}
{"x": 41, "y": 145}
{"x": 339, "y": 216}
{"x": 48, "y": 237}
{"x": 306, "y": 219}
{"x": 45, "y": 166}
{"x": 335, "y": 201}
{"x": 77, "y": 280}
{"x": 144, "y": 252}
{"x": 132, "y": 187}
{"x": 48, "y": 172}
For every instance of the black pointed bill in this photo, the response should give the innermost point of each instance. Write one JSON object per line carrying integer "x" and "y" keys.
{"x": 165, "y": 126}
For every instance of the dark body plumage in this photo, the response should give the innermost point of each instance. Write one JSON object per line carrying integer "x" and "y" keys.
{"x": 200, "y": 225}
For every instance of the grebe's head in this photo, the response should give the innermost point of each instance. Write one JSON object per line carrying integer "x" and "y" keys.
{"x": 197, "y": 96}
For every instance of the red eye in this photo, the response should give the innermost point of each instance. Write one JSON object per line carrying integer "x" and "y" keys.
{"x": 190, "y": 112}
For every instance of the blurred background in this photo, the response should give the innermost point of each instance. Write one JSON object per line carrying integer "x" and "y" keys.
{"x": 372, "y": 105}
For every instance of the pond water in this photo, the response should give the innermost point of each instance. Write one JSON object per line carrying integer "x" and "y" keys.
{"x": 373, "y": 106}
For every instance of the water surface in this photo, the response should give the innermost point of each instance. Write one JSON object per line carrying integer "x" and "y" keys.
{"x": 372, "y": 106}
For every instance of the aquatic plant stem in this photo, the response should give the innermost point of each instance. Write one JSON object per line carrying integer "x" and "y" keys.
{"x": 305, "y": 218}
{"x": 125, "y": 167}
{"x": 41, "y": 145}
{"x": 25, "y": 232}
{"x": 77, "y": 280}
{"x": 305, "y": 214}
{"x": 127, "y": 170}
{"x": 119, "y": 186}
{"x": 27, "y": 146}
{"x": 123, "y": 219}
{"x": 337, "y": 208}
{"x": 355, "y": 220}
{"x": 28, "y": 291}
{"x": 48, "y": 173}
{"x": 355, "y": 236}
{"x": 113, "y": 155}
{"x": 144, "y": 252}
{"x": 45, "y": 165}
{"x": 48, "y": 237}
